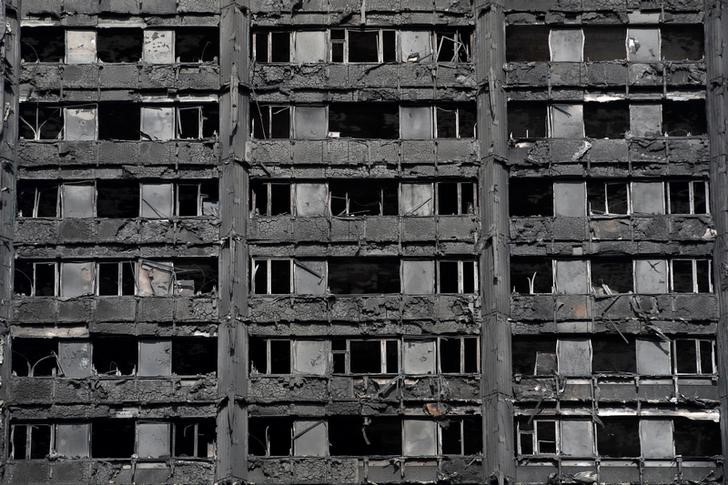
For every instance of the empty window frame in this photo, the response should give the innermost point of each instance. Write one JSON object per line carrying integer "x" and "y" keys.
{"x": 183, "y": 199}
{"x": 271, "y": 46}
{"x": 31, "y": 441}
{"x": 527, "y": 119}
{"x": 370, "y": 356}
{"x": 682, "y": 42}
{"x": 454, "y": 121}
{"x": 364, "y": 120}
{"x": 122, "y": 445}
{"x": 268, "y": 121}
{"x": 365, "y": 46}
{"x": 194, "y": 438}
{"x": 527, "y": 43}
{"x": 270, "y": 436}
{"x": 272, "y": 276}
{"x": 604, "y": 43}
{"x": 458, "y": 355}
{"x": 531, "y": 275}
{"x": 197, "y": 44}
{"x": 119, "y": 121}
{"x": 534, "y": 356}
{"x": 40, "y": 122}
{"x": 684, "y": 118}
{"x": 694, "y": 356}
{"x": 37, "y": 199}
{"x": 696, "y": 437}
{"x": 36, "y": 278}
{"x": 115, "y": 356}
{"x": 34, "y": 357}
{"x": 115, "y": 278}
{"x": 613, "y": 355}
{"x": 606, "y": 120}
{"x": 610, "y": 276}
{"x": 461, "y": 436}
{"x": 357, "y": 276}
{"x": 270, "y": 356}
{"x": 270, "y": 198}
{"x": 691, "y": 276}
{"x": 537, "y": 436}
{"x": 115, "y": 45}
{"x": 607, "y": 198}
{"x": 457, "y": 276}
{"x": 187, "y": 122}
{"x": 687, "y": 196}
{"x": 618, "y": 436}
{"x": 363, "y": 198}
{"x": 456, "y": 198}
{"x": 42, "y": 44}
{"x": 530, "y": 197}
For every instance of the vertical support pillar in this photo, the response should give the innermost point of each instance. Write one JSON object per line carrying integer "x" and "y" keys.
{"x": 716, "y": 52}
{"x": 232, "y": 465}
{"x": 496, "y": 373}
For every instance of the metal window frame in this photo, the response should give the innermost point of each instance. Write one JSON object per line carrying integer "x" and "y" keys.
{"x": 268, "y": 261}
{"x": 29, "y": 427}
{"x": 462, "y": 339}
{"x": 691, "y": 196}
{"x": 380, "y": 44}
{"x": 56, "y": 276}
{"x": 698, "y": 357}
{"x": 694, "y": 265}
{"x": 460, "y": 275}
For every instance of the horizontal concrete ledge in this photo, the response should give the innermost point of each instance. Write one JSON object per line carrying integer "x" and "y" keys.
{"x": 537, "y": 471}
{"x": 61, "y": 8}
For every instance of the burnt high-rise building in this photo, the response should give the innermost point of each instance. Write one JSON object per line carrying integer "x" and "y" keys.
{"x": 363, "y": 241}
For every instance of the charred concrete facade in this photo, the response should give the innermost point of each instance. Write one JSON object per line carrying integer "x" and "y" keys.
{"x": 363, "y": 241}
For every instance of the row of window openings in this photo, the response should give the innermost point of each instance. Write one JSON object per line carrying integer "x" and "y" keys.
{"x": 113, "y": 438}
{"x": 613, "y": 355}
{"x": 443, "y": 355}
{"x": 363, "y": 198}
{"x": 115, "y": 45}
{"x": 534, "y": 43}
{"x": 272, "y": 276}
{"x": 361, "y": 46}
{"x": 117, "y": 199}
{"x": 618, "y": 437}
{"x": 357, "y": 120}
{"x": 364, "y": 436}
{"x": 118, "y": 121}
{"x": 610, "y": 119}
{"x": 185, "y": 277}
{"x": 537, "y": 197}
{"x": 113, "y": 356}
{"x": 609, "y": 276}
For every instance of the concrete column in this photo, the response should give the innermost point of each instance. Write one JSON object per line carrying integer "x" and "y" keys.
{"x": 496, "y": 376}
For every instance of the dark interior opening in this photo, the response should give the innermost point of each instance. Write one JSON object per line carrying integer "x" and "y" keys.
{"x": 450, "y": 349}
{"x": 603, "y": 198}
{"x": 531, "y": 197}
{"x": 42, "y": 44}
{"x": 447, "y": 198}
{"x": 194, "y": 356}
{"x": 187, "y": 200}
{"x": 191, "y": 433}
{"x": 112, "y": 438}
{"x": 534, "y": 356}
{"x": 684, "y": 118}
{"x": 527, "y": 43}
{"x": 616, "y": 274}
{"x": 117, "y": 198}
{"x": 364, "y": 120}
{"x": 448, "y": 277}
{"x": 47, "y": 198}
{"x": 523, "y": 269}
{"x": 363, "y": 46}
{"x": 366, "y": 197}
{"x": 200, "y": 273}
{"x": 606, "y": 120}
{"x": 274, "y": 433}
{"x": 694, "y": 437}
{"x": 34, "y": 357}
{"x": 683, "y": 42}
{"x": 682, "y": 276}
{"x": 613, "y": 355}
{"x": 364, "y": 276}
{"x": 453, "y": 46}
{"x": 116, "y": 278}
{"x": 526, "y": 119}
{"x": 679, "y": 197}
{"x": 115, "y": 355}
{"x": 45, "y": 121}
{"x": 119, "y": 45}
{"x": 604, "y": 43}
{"x": 197, "y": 44}
{"x": 618, "y": 437}
{"x": 365, "y": 356}
{"x": 389, "y": 46}
{"x": 119, "y": 121}
{"x": 361, "y": 436}
{"x": 40, "y": 441}
{"x": 280, "y": 47}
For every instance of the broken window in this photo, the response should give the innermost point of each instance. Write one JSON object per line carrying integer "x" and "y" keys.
{"x": 527, "y": 43}
{"x": 416, "y": 199}
{"x": 571, "y": 277}
{"x": 194, "y": 438}
{"x": 566, "y": 120}
{"x": 613, "y": 355}
{"x": 270, "y": 121}
{"x": 643, "y": 44}
{"x": 155, "y": 357}
{"x": 606, "y": 120}
{"x": 455, "y": 121}
{"x": 364, "y": 276}
{"x": 416, "y": 122}
{"x": 81, "y": 46}
{"x": 610, "y": 276}
{"x": 191, "y": 276}
{"x": 461, "y": 436}
{"x": 74, "y": 358}
{"x": 456, "y": 198}
{"x": 371, "y": 46}
{"x": 268, "y": 46}
{"x": 115, "y": 356}
{"x": 310, "y": 46}
{"x": 77, "y": 279}
{"x": 537, "y": 436}
{"x": 650, "y": 276}
{"x": 40, "y": 122}
{"x": 122, "y": 444}
{"x": 193, "y": 356}
{"x": 197, "y": 44}
{"x": 270, "y": 356}
{"x": 157, "y": 200}
{"x": 310, "y": 438}
{"x": 152, "y": 439}
{"x": 157, "y": 123}
{"x": 453, "y": 45}
{"x": 117, "y": 198}
{"x": 695, "y": 437}
{"x": 534, "y": 356}
{"x": 530, "y": 197}
{"x": 73, "y": 440}
{"x": 618, "y": 437}
{"x": 42, "y": 44}
{"x": 574, "y": 357}
{"x": 32, "y": 357}
{"x": 419, "y": 437}
{"x": 120, "y": 44}
{"x": 566, "y": 45}
{"x": 576, "y": 437}
{"x": 374, "y": 356}
{"x": 683, "y": 42}
{"x": 645, "y": 119}
{"x": 608, "y": 197}
{"x": 457, "y": 277}
{"x": 119, "y": 121}
{"x": 37, "y": 199}
{"x": 159, "y": 46}
{"x": 684, "y": 118}
{"x": 694, "y": 356}
{"x": 78, "y": 200}
{"x": 36, "y": 278}
{"x": 270, "y": 198}
{"x": 526, "y": 119}
{"x": 115, "y": 278}
{"x": 459, "y": 355}
{"x": 312, "y": 199}
{"x": 365, "y": 435}
{"x": 370, "y": 120}
{"x": 309, "y": 122}
{"x": 270, "y": 436}
{"x": 79, "y": 123}
{"x": 196, "y": 199}
{"x": 30, "y": 441}
{"x": 569, "y": 199}
{"x": 604, "y": 43}
{"x": 415, "y": 46}
{"x": 197, "y": 122}
{"x": 363, "y": 198}
{"x": 687, "y": 197}
{"x": 691, "y": 276}
{"x": 271, "y": 276}
{"x": 531, "y": 275}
